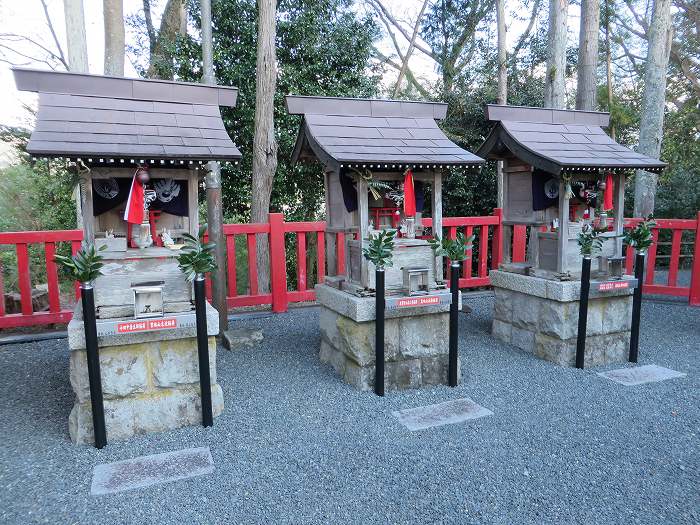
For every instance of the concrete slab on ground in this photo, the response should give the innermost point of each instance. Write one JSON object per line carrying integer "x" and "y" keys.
{"x": 640, "y": 375}
{"x": 150, "y": 470}
{"x": 447, "y": 413}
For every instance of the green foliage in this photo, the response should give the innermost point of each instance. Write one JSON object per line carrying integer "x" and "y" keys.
{"x": 85, "y": 265}
{"x": 36, "y": 197}
{"x": 323, "y": 48}
{"x": 640, "y": 237}
{"x": 196, "y": 256}
{"x": 379, "y": 251}
{"x": 453, "y": 249}
{"x": 590, "y": 241}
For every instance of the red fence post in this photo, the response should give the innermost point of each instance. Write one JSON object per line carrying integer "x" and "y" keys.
{"x": 694, "y": 299}
{"x": 278, "y": 263}
{"x": 497, "y": 240}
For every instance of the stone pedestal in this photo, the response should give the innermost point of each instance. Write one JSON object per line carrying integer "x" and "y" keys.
{"x": 541, "y": 316}
{"x": 150, "y": 380}
{"x": 415, "y": 343}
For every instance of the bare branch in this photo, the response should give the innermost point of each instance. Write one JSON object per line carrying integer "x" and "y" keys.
{"x": 149, "y": 24}
{"x": 379, "y": 7}
{"x": 61, "y": 57}
{"x": 410, "y": 77}
{"x": 409, "y": 51}
{"x": 523, "y": 38}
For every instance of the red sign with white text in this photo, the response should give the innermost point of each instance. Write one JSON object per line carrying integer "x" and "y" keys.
{"x": 417, "y": 301}
{"x": 146, "y": 325}
{"x": 614, "y": 285}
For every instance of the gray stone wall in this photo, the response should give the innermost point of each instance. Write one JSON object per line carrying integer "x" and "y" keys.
{"x": 147, "y": 387}
{"x": 547, "y": 326}
{"x": 416, "y": 349}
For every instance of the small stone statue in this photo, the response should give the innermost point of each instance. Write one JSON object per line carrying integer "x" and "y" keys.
{"x": 167, "y": 239}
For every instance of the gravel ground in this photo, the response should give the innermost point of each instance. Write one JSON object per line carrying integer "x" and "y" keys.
{"x": 295, "y": 445}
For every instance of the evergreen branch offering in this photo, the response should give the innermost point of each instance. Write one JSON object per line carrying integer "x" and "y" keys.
{"x": 590, "y": 240}
{"x": 85, "y": 265}
{"x": 196, "y": 257}
{"x": 640, "y": 237}
{"x": 380, "y": 249}
{"x": 453, "y": 249}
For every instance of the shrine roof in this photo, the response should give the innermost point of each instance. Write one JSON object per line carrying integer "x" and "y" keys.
{"x": 385, "y": 133}
{"x": 555, "y": 140}
{"x": 83, "y": 116}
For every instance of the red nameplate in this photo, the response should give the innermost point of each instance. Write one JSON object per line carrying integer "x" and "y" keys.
{"x": 417, "y": 301}
{"x": 146, "y": 325}
{"x": 614, "y": 285}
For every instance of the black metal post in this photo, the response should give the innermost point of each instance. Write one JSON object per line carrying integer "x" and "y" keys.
{"x": 637, "y": 306}
{"x": 379, "y": 332}
{"x": 87, "y": 295}
{"x": 203, "y": 350}
{"x": 454, "y": 324}
{"x": 583, "y": 310}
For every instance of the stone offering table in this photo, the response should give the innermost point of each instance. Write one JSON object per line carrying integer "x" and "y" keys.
{"x": 150, "y": 379}
{"x": 541, "y": 316}
{"x": 416, "y": 341}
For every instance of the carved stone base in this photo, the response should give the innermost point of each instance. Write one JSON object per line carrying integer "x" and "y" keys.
{"x": 416, "y": 341}
{"x": 541, "y": 317}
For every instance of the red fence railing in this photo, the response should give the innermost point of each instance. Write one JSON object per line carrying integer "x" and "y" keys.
{"x": 304, "y": 244}
{"x": 22, "y": 241}
{"x": 676, "y": 228}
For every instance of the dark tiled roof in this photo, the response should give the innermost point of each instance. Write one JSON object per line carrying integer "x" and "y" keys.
{"x": 368, "y": 131}
{"x": 554, "y": 139}
{"x": 89, "y": 116}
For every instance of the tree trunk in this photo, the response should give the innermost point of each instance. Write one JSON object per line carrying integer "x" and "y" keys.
{"x": 76, "y": 47}
{"x": 502, "y": 89}
{"x": 113, "y": 11}
{"x": 653, "y": 102}
{"x": 555, "y": 80}
{"x": 76, "y": 41}
{"x": 586, "y": 88}
{"x": 172, "y": 24}
{"x": 215, "y": 215}
{"x": 608, "y": 64}
{"x": 264, "y": 141}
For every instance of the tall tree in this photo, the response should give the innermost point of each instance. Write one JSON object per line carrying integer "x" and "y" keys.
{"x": 75, "y": 35}
{"x": 162, "y": 43}
{"x": 555, "y": 75}
{"x": 587, "y": 85}
{"x": 215, "y": 215}
{"x": 502, "y": 88}
{"x": 653, "y": 103}
{"x": 264, "y": 140}
{"x": 113, "y": 14}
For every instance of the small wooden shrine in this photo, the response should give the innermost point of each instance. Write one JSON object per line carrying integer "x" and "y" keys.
{"x": 371, "y": 152}
{"x": 562, "y": 173}
{"x": 138, "y": 146}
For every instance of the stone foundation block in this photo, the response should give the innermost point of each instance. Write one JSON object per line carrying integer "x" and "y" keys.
{"x": 123, "y": 370}
{"x": 546, "y": 323}
{"x": 416, "y": 346}
{"x": 153, "y": 412}
{"x": 147, "y": 387}
{"x": 176, "y": 362}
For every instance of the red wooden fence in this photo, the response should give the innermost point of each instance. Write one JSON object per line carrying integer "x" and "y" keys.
{"x": 486, "y": 253}
{"x": 21, "y": 241}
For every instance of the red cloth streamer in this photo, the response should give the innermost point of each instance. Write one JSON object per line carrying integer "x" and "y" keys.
{"x": 608, "y": 193}
{"x": 134, "y": 211}
{"x": 409, "y": 195}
